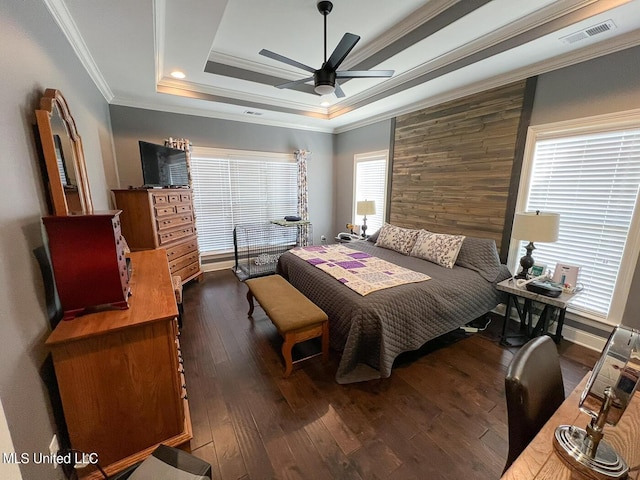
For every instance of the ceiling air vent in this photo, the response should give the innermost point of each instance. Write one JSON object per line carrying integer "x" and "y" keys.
{"x": 251, "y": 112}
{"x": 589, "y": 32}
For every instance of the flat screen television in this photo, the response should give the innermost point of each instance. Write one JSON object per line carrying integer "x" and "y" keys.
{"x": 163, "y": 166}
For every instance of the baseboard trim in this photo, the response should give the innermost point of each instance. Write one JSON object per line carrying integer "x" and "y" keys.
{"x": 569, "y": 333}
{"x": 217, "y": 266}
{"x": 580, "y": 337}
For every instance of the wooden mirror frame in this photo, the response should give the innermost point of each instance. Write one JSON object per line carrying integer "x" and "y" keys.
{"x": 52, "y": 103}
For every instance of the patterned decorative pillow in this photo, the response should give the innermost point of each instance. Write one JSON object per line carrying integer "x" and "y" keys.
{"x": 397, "y": 238}
{"x": 438, "y": 248}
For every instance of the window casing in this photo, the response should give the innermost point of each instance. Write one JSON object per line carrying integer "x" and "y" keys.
{"x": 588, "y": 171}
{"x": 232, "y": 187}
{"x": 370, "y": 183}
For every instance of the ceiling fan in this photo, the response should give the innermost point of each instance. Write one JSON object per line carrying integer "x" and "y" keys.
{"x": 325, "y": 78}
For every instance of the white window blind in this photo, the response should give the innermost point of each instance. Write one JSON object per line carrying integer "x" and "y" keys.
{"x": 592, "y": 181}
{"x": 232, "y": 187}
{"x": 371, "y": 184}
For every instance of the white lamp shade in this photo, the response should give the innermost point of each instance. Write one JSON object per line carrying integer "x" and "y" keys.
{"x": 366, "y": 207}
{"x": 536, "y": 226}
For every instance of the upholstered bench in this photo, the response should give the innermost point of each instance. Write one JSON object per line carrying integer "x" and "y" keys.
{"x": 294, "y": 315}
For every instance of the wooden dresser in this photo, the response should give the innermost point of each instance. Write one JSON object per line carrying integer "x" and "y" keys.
{"x": 162, "y": 218}
{"x": 119, "y": 373}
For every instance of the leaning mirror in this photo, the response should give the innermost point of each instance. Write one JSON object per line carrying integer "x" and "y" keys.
{"x": 63, "y": 156}
{"x": 609, "y": 389}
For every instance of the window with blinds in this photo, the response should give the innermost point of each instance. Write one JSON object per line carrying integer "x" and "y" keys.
{"x": 232, "y": 187}
{"x": 370, "y": 178}
{"x": 592, "y": 181}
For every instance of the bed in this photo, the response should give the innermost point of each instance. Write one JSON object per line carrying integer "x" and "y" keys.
{"x": 372, "y": 330}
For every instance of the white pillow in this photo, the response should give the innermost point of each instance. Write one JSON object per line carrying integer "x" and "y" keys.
{"x": 438, "y": 248}
{"x": 397, "y": 238}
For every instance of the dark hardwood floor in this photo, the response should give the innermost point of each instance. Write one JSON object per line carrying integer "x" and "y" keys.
{"x": 441, "y": 414}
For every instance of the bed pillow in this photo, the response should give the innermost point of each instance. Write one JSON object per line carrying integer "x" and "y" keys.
{"x": 398, "y": 239}
{"x": 480, "y": 255}
{"x": 374, "y": 237}
{"x": 438, "y": 248}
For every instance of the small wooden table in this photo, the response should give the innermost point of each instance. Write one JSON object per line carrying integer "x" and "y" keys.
{"x": 525, "y": 311}
{"x": 539, "y": 460}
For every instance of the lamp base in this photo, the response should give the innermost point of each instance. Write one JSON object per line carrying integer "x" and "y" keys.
{"x": 526, "y": 262}
{"x": 569, "y": 442}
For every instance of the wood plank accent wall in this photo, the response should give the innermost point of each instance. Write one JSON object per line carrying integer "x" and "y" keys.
{"x": 452, "y": 163}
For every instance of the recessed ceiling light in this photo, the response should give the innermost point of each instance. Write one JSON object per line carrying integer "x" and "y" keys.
{"x": 178, "y": 74}
{"x": 325, "y": 103}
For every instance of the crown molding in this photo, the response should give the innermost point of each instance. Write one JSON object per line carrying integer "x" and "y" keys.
{"x": 201, "y": 112}
{"x": 504, "y": 34}
{"x": 63, "y": 18}
{"x": 622, "y": 42}
{"x": 242, "y": 96}
{"x": 590, "y": 52}
{"x": 245, "y": 64}
{"x": 402, "y": 28}
{"x": 159, "y": 17}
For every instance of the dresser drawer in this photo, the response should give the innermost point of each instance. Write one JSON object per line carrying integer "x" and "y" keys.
{"x": 185, "y": 197}
{"x": 167, "y": 237}
{"x": 174, "y": 197}
{"x": 183, "y": 248}
{"x": 164, "y": 210}
{"x": 166, "y": 223}
{"x": 186, "y": 208}
{"x": 181, "y": 262}
{"x": 188, "y": 271}
{"x": 159, "y": 198}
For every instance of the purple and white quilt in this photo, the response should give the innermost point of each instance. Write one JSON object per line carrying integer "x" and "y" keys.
{"x": 361, "y": 272}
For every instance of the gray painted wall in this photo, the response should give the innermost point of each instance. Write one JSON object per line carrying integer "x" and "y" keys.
{"x": 370, "y": 138}
{"x": 35, "y": 55}
{"x": 133, "y": 124}
{"x": 605, "y": 85}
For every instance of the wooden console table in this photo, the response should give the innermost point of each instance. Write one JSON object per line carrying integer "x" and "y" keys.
{"x": 539, "y": 460}
{"x": 118, "y": 373}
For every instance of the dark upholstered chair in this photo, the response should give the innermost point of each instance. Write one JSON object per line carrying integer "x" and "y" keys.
{"x": 534, "y": 390}
{"x": 167, "y": 462}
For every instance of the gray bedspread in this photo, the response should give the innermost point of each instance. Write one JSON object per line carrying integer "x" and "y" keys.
{"x": 372, "y": 330}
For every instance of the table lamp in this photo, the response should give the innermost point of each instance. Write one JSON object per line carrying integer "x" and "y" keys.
{"x": 609, "y": 390}
{"x": 534, "y": 227}
{"x": 365, "y": 207}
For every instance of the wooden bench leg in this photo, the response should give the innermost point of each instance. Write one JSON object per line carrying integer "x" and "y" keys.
{"x": 250, "y": 300}
{"x": 289, "y": 342}
{"x": 325, "y": 342}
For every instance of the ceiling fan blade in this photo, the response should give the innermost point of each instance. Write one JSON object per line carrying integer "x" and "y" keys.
{"x": 276, "y": 56}
{"x": 295, "y": 82}
{"x": 365, "y": 74}
{"x": 347, "y": 43}
{"x": 338, "y": 91}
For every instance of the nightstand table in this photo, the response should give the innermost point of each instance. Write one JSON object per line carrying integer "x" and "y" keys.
{"x": 525, "y": 311}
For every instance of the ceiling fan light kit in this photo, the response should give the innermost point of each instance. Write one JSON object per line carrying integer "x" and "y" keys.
{"x": 324, "y": 78}
{"x": 325, "y": 81}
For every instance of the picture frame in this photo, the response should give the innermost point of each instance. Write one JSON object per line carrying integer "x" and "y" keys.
{"x": 538, "y": 269}
{"x": 566, "y": 275}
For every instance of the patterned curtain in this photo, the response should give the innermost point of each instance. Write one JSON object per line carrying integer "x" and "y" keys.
{"x": 303, "y": 196}
{"x": 182, "y": 144}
